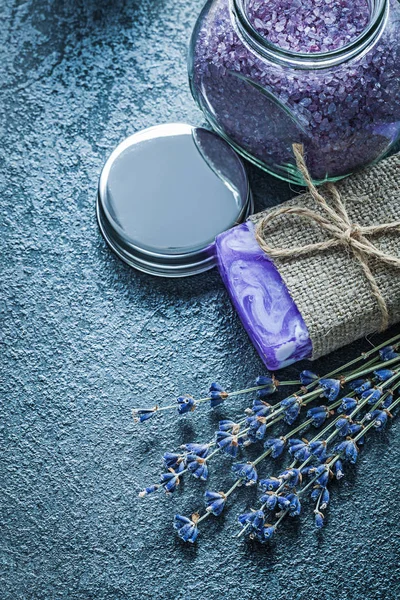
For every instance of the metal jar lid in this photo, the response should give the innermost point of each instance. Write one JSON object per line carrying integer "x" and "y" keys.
{"x": 165, "y": 193}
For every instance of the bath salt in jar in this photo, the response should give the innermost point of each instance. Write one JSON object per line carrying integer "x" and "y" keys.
{"x": 322, "y": 73}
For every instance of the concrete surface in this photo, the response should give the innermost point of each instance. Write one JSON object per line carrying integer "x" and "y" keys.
{"x": 85, "y": 338}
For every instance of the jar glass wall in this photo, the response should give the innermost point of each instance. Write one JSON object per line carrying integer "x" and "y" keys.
{"x": 342, "y": 104}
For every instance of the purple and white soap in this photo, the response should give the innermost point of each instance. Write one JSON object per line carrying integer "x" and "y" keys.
{"x": 262, "y": 301}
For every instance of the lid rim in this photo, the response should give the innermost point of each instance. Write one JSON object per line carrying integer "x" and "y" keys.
{"x": 164, "y": 270}
{"x": 193, "y": 268}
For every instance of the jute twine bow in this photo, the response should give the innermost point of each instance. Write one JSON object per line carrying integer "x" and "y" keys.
{"x": 342, "y": 233}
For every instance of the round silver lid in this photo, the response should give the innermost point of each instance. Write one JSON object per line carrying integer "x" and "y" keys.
{"x": 165, "y": 193}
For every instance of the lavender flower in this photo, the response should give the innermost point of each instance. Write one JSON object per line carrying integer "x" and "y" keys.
{"x": 388, "y": 353}
{"x": 355, "y": 428}
{"x": 143, "y": 414}
{"x": 316, "y": 492}
{"x": 264, "y": 380}
{"x": 318, "y": 414}
{"x": 277, "y": 446}
{"x": 307, "y": 470}
{"x": 187, "y": 528}
{"x": 299, "y": 449}
{"x": 388, "y": 400}
{"x": 308, "y": 377}
{"x": 228, "y": 443}
{"x": 357, "y": 383}
{"x": 291, "y": 477}
{"x": 323, "y": 472}
{"x": 266, "y": 534}
{"x": 294, "y": 505}
{"x": 170, "y": 480}
{"x": 325, "y": 497}
{"x": 344, "y": 426}
{"x": 380, "y": 417}
{"x": 383, "y": 374}
{"x": 319, "y": 519}
{"x": 258, "y": 427}
{"x": 347, "y": 405}
{"x": 265, "y": 392}
{"x": 362, "y": 386}
{"x": 197, "y": 467}
{"x": 228, "y": 425}
{"x": 217, "y": 395}
{"x": 292, "y": 407}
{"x": 198, "y": 449}
{"x": 215, "y": 502}
{"x": 338, "y": 469}
{"x": 372, "y": 395}
{"x": 149, "y": 490}
{"x": 349, "y": 450}
{"x": 272, "y": 500}
{"x": 330, "y": 388}
{"x": 255, "y": 519}
{"x": 270, "y": 485}
{"x": 260, "y": 408}
{"x": 185, "y": 404}
{"x": 318, "y": 449}
{"x": 172, "y": 460}
{"x": 269, "y": 383}
{"x": 245, "y": 471}
{"x": 281, "y": 495}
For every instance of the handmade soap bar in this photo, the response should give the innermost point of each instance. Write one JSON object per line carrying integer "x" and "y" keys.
{"x": 321, "y": 270}
{"x": 261, "y": 299}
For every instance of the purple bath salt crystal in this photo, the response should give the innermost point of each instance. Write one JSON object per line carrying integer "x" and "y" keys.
{"x": 315, "y": 25}
{"x": 262, "y": 301}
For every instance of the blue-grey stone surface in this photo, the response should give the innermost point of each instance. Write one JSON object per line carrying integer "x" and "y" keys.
{"x": 84, "y": 338}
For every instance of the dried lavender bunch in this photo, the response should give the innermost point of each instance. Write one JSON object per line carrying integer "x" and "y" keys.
{"x": 360, "y": 397}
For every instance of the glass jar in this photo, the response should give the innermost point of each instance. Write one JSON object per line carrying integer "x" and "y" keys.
{"x": 343, "y": 105}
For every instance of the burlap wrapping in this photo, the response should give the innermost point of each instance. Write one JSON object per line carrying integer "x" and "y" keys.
{"x": 329, "y": 287}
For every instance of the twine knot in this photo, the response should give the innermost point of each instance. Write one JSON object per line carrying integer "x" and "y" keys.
{"x": 353, "y": 231}
{"x": 335, "y": 221}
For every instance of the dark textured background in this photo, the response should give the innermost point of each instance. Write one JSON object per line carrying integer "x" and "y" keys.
{"x": 85, "y": 338}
